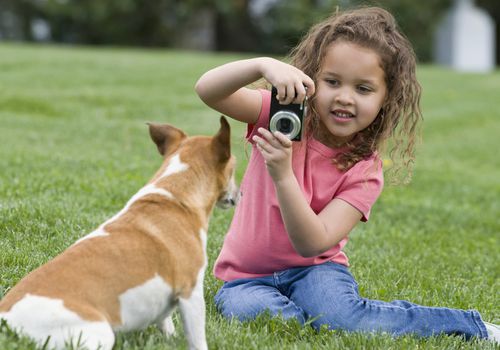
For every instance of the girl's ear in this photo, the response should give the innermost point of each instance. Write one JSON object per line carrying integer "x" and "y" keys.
{"x": 221, "y": 143}
{"x": 166, "y": 137}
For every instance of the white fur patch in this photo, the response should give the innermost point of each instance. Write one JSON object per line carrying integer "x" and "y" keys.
{"x": 174, "y": 166}
{"x": 39, "y": 317}
{"x": 148, "y": 189}
{"x": 97, "y": 233}
{"x": 145, "y": 304}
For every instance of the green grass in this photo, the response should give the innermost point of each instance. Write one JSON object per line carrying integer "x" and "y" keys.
{"x": 74, "y": 148}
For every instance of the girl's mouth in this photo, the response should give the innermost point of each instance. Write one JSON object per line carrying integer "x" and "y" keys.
{"x": 342, "y": 116}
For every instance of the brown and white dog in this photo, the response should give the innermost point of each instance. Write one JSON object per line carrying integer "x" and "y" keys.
{"x": 137, "y": 266}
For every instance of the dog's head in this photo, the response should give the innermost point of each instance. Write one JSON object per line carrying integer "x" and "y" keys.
{"x": 206, "y": 158}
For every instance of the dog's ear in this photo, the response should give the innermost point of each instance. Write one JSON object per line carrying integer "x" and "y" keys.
{"x": 221, "y": 142}
{"x": 166, "y": 137}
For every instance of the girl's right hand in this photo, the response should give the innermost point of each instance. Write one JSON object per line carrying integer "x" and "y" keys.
{"x": 290, "y": 82}
{"x": 224, "y": 88}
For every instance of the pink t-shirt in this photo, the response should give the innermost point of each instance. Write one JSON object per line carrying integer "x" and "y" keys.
{"x": 257, "y": 243}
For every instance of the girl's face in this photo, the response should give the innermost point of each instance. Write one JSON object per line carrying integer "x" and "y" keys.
{"x": 350, "y": 92}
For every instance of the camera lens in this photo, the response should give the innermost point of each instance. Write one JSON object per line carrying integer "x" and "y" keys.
{"x": 284, "y": 126}
{"x": 286, "y": 122}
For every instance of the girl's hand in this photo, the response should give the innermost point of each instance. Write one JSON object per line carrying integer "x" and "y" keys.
{"x": 290, "y": 81}
{"x": 276, "y": 149}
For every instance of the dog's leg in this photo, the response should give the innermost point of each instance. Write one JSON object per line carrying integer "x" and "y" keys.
{"x": 167, "y": 326}
{"x": 193, "y": 316}
{"x": 93, "y": 338}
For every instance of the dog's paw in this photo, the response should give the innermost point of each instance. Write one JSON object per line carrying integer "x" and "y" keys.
{"x": 168, "y": 327}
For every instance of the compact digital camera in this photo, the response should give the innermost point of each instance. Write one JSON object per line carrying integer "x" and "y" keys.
{"x": 286, "y": 119}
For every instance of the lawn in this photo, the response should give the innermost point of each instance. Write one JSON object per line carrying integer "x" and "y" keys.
{"x": 74, "y": 148}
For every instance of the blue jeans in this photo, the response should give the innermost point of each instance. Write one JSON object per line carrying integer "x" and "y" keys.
{"x": 328, "y": 294}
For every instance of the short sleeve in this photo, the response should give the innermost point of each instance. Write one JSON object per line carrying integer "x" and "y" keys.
{"x": 363, "y": 184}
{"x": 263, "y": 119}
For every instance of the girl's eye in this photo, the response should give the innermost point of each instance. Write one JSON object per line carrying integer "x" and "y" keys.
{"x": 364, "y": 89}
{"x": 332, "y": 82}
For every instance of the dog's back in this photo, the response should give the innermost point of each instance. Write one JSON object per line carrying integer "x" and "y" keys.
{"x": 133, "y": 269}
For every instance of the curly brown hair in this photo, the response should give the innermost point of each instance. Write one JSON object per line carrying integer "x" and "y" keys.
{"x": 398, "y": 120}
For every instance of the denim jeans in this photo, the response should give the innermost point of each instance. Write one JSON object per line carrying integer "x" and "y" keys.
{"x": 328, "y": 294}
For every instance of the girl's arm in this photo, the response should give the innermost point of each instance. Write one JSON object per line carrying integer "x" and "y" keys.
{"x": 311, "y": 234}
{"x": 223, "y": 88}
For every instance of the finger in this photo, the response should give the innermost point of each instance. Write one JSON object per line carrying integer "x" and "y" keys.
{"x": 283, "y": 140}
{"x": 271, "y": 141}
{"x": 261, "y": 150}
{"x": 300, "y": 93}
{"x": 265, "y": 154}
{"x": 269, "y": 137}
{"x": 280, "y": 93}
{"x": 263, "y": 144}
{"x": 290, "y": 94}
{"x": 309, "y": 83}
{"x": 258, "y": 141}
{"x": 265, "y": 133}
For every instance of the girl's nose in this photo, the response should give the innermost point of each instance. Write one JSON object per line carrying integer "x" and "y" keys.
{"x": 344, "y": 97}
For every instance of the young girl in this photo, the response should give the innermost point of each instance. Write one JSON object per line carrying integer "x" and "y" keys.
{"x": 283, "y": 253}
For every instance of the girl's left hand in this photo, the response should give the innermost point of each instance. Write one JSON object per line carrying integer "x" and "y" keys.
{"x": 276, "y": 149}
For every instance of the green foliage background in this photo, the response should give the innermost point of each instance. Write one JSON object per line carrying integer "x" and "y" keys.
{"x": 164, "y": 23}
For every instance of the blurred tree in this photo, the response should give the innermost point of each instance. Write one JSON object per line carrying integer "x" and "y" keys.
{"x": 282, "y": 25}
{"x": 16, "y": 18}
{"x": 236, "y": 31}
{"x": 272, "y": 26}
{"x": 417, "y": 19}
{"x": 267, "y": 26}
{"x": 129, "y": 22}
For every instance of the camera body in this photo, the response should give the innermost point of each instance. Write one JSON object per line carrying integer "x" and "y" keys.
{"x": 286, "y": 119}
